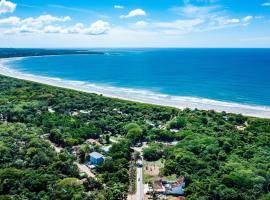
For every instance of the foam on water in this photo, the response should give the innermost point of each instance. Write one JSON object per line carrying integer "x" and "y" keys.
{"x": 144, "y": 96}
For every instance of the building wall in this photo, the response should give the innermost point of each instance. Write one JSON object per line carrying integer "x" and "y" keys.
{"x": 97, "y": 161}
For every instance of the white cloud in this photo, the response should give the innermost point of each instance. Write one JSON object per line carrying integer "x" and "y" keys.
{"x": 25, "y": 29}
{"x": 222, "y": 22}
{"x": 231, "y": 21}
{"x": 41, "y": 24}
{"x": 266, "y": 4}
{"x": 141, "y": 23}
{"x": 214, "y": 16}
{"x": 10, "y": 21}
{"x": 7, "y": 7}
{"x": 43, "y": 20}
{"x": 22, "y": 29}
{"x": 51, "y": 24}
{"x": 98, "y": 28}
{"x": 195, "y": 19}
{"x": 33, "y": 22}
{"x": 192, "y": 11}
{"x": 247, "y": 19}
{"x": 134, "y": 13}
{"x": 50, "y": 18}
{"x": 225, "y": 22}
{"x": 118, "y": 7}
{"x": 179, "y": 26}
{"x": 77, "y": 28}
{"x": 53, "y": 29}
{"x": 259, "y": 17}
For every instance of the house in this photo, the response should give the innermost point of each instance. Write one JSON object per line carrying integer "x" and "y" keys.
{"x": 51, "y": 110}
{"x": 106, "y": 148}
{"x": 85, "y": 111}
{"x": 158, "y": 187}
{"x": 75, "y": 150}
{"x": 96, "y": 158}
{"x": 175, "y": 188}
{"x": 74, "y": 113}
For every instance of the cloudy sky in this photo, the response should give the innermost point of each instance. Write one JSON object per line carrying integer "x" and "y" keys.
{"x": 135, "y": 23}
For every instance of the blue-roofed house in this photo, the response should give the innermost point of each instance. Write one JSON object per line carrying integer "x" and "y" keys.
{"x": 96, "y": 158}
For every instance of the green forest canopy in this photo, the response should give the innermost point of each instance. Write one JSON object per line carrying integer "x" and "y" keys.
{"x": 217, "y": 159}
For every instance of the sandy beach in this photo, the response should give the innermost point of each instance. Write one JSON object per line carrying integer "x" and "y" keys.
{"x": 142, "y": 96}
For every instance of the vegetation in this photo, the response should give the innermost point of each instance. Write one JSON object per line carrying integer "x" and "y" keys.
{"x": 30, "y": 168}
{"x": 217, "y": 159}
{"x": 153, "y": 152}
{"x": 132, "y": 177}
{"x": 177, "y": 123}
{"x": 10, "y": 52}
{"x": 134, "y": 132}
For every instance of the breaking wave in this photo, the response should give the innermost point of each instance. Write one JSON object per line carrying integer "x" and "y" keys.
{"x": 144, "y": 96}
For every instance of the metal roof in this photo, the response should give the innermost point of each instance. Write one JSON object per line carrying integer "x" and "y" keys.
{"x": 96, "y": 155}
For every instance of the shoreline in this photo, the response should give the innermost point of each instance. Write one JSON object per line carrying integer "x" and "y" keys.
{"x": 135, "y": 95}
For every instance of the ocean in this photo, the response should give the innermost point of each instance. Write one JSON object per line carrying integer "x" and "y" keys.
{"x": 230, "y": 76}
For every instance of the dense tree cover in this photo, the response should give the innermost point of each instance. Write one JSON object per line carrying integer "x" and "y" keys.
{"x": 153, "y": 152}
{"x": 10, "y": 52}
{"x": 29, "y": 167}
{"x": 218, "y": 160}
{"x": 134, "y": 132}
{"x": 115, "y": 168}
{"x": 177, "y": 123}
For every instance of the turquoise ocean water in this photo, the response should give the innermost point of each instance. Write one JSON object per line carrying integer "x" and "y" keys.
{"x": 228, "y": 75}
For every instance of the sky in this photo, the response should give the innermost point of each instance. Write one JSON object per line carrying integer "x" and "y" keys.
{"x": 134, "y": 23}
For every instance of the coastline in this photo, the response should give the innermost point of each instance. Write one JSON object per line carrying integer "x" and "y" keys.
{"x": 142, "y": 96}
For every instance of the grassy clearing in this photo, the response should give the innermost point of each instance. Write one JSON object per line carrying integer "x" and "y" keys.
{"x": 151, "y": 170}
{"x": 170, "y": 178}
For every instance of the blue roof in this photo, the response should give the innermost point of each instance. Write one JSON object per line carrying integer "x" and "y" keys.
{"x": 96, "y": 155}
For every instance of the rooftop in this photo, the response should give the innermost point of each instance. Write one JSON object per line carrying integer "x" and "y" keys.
{"x": 158, "y": 186}
{"x": 96, "y": 155}
{"x": 106, "y": 148}
{"x": 177, "y": 187}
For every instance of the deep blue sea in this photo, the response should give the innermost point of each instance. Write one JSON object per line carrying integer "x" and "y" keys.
{"x": 230, "y": 75}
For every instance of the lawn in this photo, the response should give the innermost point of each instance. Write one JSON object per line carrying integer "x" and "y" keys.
{"x": 151, "y": 170}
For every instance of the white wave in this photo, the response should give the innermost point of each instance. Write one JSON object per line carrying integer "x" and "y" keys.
{"x": 144, "y": 96}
